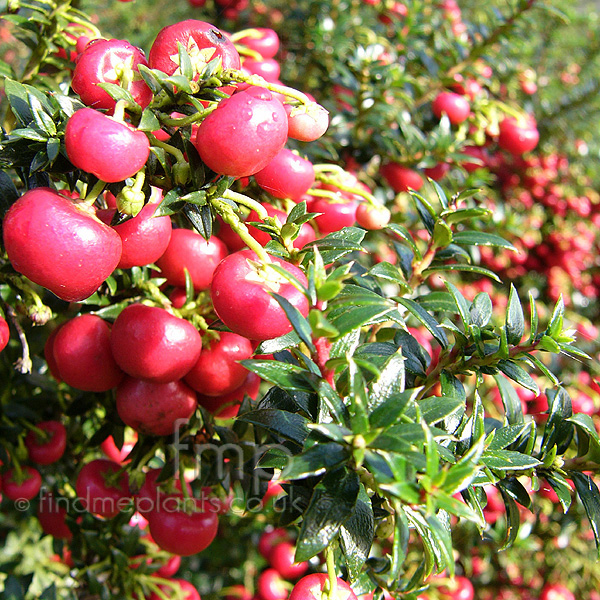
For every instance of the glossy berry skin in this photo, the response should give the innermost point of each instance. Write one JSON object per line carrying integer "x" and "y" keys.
{"x": 271, "y": 585}
{"x": 372, "y": 216}
{"x": 311, "y": 587}
{"x": 281, "y": 559}
{"x": 59, "y": 245}
{"x": 556, "y": 591}
{"x": 243, "y": 134}
{"x": 47, "y": 451}
{"x": 218, "y": 370}
{"x": 154, "y": 408}
{"x": 518, "y": 138}
{"x": 151, "y": 495}
{"x": 188, "y": 591}
{"x": 83, "y": 355}
{"x": 4, "y": 333}
{"x": 306, "y": 123}
{"x": 262, "y": 40}
{"x": 457, "y": 107}
{"x": 267, "y": 68}
{"x": 401, "y": 178}
{"x": 202, "y": 41}
{"x": 144, "y": 237}
{"x": 305, "y": 235}
{"x": 97, "y": 494}
{"x": 93, "y": 140}
{"x": 101, "y": 62}
{"x": 460, "y": 588}
{"x": 287, "y": 176}
{"x": 51, "y": 514}
{"x": 228, "y": 405}
{"x": 335, "y": 214}
{"x": 178, "y": 532}
{"x": 27, "y": 489}
{"x": 189, "y": 250}
{"x": 111, "y": 451}
{"x": 241, "y": 295}
{"x": 150, "y": 343}
{"x": 170, "y": 567}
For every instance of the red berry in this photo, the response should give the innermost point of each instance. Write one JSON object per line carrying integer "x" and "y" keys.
{"x": 228, "y": 405}
{"x": 4, "y": 333}
{"x": 243, "y": 134}
{"x": 150, "y": 343}
{"x": 312, "y": 587}
{"x": 51, "y": 515}
{"x": 457, "y": 107}
{"x": 45, "y": 451}
{"x": 83, "y": 355}
{"x": 218, "y": 370}
{"x": 267, "y": 68}
{"x": 182, "y": 526}
{"x": 371, "y": 216}
{"x": 109, "y": 61}
{"x": 59, "y": 245}
{"x": 189, "y": 250}
{"x": 556, "y": 591}
{"x": 518, "y": 138}
{"x": 282, "y": 559}
{"x": 262, "y": 40}
{"x": 154, "y": 408}
{"x": 401, "y": 178}
{"x": 118, "y": 455}
{"x": 269, "y": 539}
{"x": 241, "y": 294}
{"x": 286, "y": 176}
{"x": 27, "y": 488}
{"x": 102, "y": 488}
{"x": 306, "y": 123}
{"x": 188, "y": 591}
{"x": 271, "y": 585}
{"x": 94, "y": 140}
{"x": 335, "y": 214}
{"x": 144, "y": 237}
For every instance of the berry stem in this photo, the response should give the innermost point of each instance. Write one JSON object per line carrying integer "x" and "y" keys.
{"x": 331, "y": 591}
{"x": 245, "y": 201}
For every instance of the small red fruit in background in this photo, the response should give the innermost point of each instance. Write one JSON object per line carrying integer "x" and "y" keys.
{"x": 311, "y": 587}
{"x": 46, "y": 450}
{"x": 286, "y": 176}
{"x": 243, "y": 134}
{"x": 218, "y": 370}
{"x": 269, "y": 539}
{"x": 401, "y": 178}
{"x": 154, "y": 408}
{"x": 518, "y": 137}
{"x": 21, "y": 487}
{"x": 93, "y": 140}
{"x": 109, "y": 61}
{"x": 51, "y": 514}
{"x": 282, "y": 560}
{"x": 188, "y": 591}
{"x": 4, "y": 333}
{"x": 112, "y": 452}
{"x": 241, "y": 294}
{"x": 181, "y": 526}
{"x": 335, "y": 214}
{"x": 262, "y": 40}
{"x": 59, "y": 245}
{"x": 556, "y": 591}
{"x": 150, "y": 343}
{"x": 271, "y": 585}
{"x": 460, "y": 588}
{"x": 372, "y": 216}
{"x": 457, "y": 107}
{"x": 189, "y": 250}
{"x": 267, "y": 68}
{"x": 170, "y": 567}
{"x": 102, "y": 488}
{"x": 83, "y": 356}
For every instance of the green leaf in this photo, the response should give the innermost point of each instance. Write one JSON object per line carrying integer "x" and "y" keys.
{"x": 515, "y": 319}
{"x": 508, "y": 460}
{"x": 331, "y": 402}
{"x": 442, "y": 234}
{"x": 508, "y": 435}
{"x": 462, "y": 304}
{"x": 285, "y": 375}
{"x": 349, "y": 318}
{"x": 443, "y": 540}
{"x": 148, "y": 122}
{"x": 511, "y": 401}
{"x": 562, "y": 488}
{"x": 426, "y": 319}
{"x": 331, "y": 505}
{"x": 390, "y": 410}
{"x": 291, "y": 426}
{"x": 452, "y": 216}
{"x": 435, "y": 409}
{"x": 357, "y": 533}
{"x": 481, "y": 310}
{"x": 479, "y": 238}
{"x": 533, "y": 318}
{"x": 513, "y": 520}
{"x": 200, "y": 217}
{"x": 289, "y": 340}
{"x": 557, "y": 427}
{"x": 461, "y": 474}
{"x": 117, "y": 93}
{"x": 315, "y": 461}
{"x": 405, "y": 236}
{"x": 516, "y": 490}
{"x": 513, "y": 370}
{"x": 425, "y": 210}
{"x": 390, "y": 383}
{"x": 440, "y": 193}
{"x": 590, "y": 498}
{"x": 42, "y": 119}
{"x": 556, "y": 320}
{"x": 437, "y": 302}
{"x": 389, "y": 272}
{"x": 299, "y": 323}
{"x": 463, "y": 269}
{"x": 8, "y": 193}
